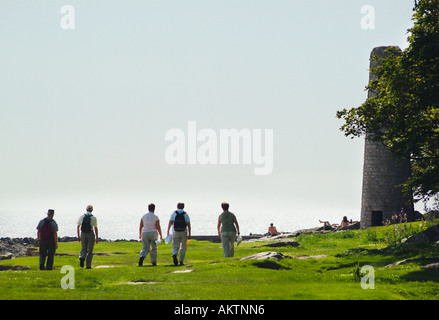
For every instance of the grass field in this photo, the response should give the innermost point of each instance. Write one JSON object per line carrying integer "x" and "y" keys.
{"x": 208, "y": 275}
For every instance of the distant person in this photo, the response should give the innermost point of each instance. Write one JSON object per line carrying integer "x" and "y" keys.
{"x": 327, "y": 225}
{"x": 149, "y": 226}
{"x": 227, "y": 228}
{"x": 345, "y": 222}
{"x": 87, "y": 222}
{"x": 47, "y": 237}
{"x": 272, "y": 231}
{"x": 181, "y": 232}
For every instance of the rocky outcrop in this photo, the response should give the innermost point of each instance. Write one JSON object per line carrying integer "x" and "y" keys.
{"x": 17, "y": 247}
{"x": 6, "y": 256}
{"x": 279, "y": 244}
{"x": 429, "y": 235}
{"x": 268, "y": 260}
{"x": 267, "y": 255}
{"x": 434, "y": 266}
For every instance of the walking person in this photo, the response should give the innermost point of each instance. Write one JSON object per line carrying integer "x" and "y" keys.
{"x": 181, "y": 232}
{"x": 87, "y": 222}
{"x": 149, "y": 226}
{"x": 47, "y": 237}
{"x": 227, "y": 228}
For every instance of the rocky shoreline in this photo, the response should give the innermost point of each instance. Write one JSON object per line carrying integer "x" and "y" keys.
{"x": 20, "y": 247}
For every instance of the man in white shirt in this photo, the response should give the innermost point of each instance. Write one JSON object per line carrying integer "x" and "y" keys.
{"x": 149, "y": 226}
{"x": 87, "y": 222}
{"x": 182, "y": 232}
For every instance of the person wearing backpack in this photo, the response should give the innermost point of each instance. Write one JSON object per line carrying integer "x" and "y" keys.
{"x": 181, "y": 232}
{"x": 47, "y": 237}
{"x": 86, "y": 223}
{"x": 227, "y": 228}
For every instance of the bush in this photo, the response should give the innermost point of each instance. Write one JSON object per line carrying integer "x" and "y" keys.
{"x": 400, "y": 230}
{"x": 371, "y": 235}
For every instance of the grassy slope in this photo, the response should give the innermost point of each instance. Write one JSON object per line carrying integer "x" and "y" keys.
{"x": 215, "y": 277}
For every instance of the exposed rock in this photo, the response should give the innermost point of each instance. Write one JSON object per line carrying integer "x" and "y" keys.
{"x": 6, "y": 256}
{"x": 14, "y": 268}
{"x": 183, "y": 271}
{"x": 429, "y": 235}
{"x": 304, "y": 231}
{"x": 278, "y": 244}
{"x": 320, "y": 256}
{"x": 353, "y": 226}
{"x": 399, "y": 263}
{"x": 434, "y": 266}
{"x": 267, "y": 255}
{"x": 32, "y": 252}
{"x": 13, "y": 248}
{"x": 405, "y": 261}
{"x": 104, "y": 267}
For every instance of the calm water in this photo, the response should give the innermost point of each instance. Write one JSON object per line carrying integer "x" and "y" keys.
{"x": 125, "y": 225}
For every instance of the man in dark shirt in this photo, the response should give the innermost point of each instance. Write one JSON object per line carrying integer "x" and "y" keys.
{"x": 47, "y": 237}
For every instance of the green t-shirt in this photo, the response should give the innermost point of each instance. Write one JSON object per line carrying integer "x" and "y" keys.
{"x": 227, "y": 222}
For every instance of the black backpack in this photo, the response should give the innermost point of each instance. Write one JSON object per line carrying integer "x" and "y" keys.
{"x": 86, "y": 225}
{"x": 46, "y": 231}
{"x": 179, "y": 221}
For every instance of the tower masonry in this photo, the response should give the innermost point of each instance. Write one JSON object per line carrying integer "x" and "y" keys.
{"x": 383, "y": 173}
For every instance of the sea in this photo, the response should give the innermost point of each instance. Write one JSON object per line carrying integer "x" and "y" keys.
{"x": 114, "y": 224}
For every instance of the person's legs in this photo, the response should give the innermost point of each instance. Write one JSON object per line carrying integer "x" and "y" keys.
{"x": 225, "y": 243}
{"x": 145, "y": 249}
{"x": 227, "y": 240}
{"x": 232, "y": 237}
{"x": 83, "y": 252}
{"x": 44, "y": 247}
{"x": 145, "y": 246}
{"x": 183, "y": 246}
{"x": 149, "y": 246}
{"x": 175, "y": 245}
{"x": 153, "y": 237}
{"x": 90, "y": 246}
{"x": 50, "y": 254}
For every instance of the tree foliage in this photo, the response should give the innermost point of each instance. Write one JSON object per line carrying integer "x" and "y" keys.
{"x": 405, "y": 113}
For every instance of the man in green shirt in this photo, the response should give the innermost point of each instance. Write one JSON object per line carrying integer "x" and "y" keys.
{"x": 227, "y": 228}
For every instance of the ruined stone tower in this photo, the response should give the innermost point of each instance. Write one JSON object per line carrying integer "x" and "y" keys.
{"x": 382, "y": 173}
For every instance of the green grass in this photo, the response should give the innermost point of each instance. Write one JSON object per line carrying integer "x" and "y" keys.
{"x": 216, "y": 277}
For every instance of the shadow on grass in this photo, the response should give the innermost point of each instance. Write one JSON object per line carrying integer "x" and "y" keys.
{"x": 422, "y": 275}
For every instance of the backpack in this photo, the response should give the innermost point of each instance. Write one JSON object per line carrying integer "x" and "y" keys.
{"x": 179, "y": 221}
{"x": 46, "y": 231}
{"x": 86, "y": 225}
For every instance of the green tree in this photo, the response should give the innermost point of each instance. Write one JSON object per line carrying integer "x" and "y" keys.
{"x": 405, "y": 113}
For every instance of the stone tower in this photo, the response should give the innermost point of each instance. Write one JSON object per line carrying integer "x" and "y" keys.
{"x": 382, "y": 173}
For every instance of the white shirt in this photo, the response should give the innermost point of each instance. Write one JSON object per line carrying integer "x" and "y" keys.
{"x": 149, "y": 221}
{"x": 93, "y": 220}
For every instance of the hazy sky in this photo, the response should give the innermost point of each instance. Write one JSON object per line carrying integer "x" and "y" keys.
{"x": 84, "y": 112}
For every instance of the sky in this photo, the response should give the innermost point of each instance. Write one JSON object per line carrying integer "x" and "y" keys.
{"x": 89, "y": 92}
